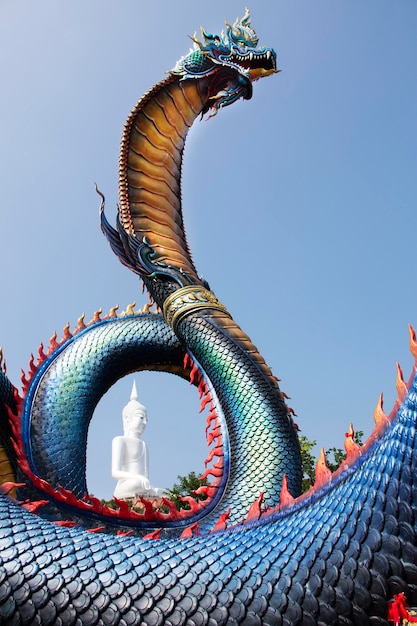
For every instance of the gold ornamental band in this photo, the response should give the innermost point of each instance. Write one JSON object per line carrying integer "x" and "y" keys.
{"x": 187, "y": 300}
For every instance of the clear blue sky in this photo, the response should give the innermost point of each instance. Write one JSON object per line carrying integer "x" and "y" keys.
{"x": 300, "y": 205}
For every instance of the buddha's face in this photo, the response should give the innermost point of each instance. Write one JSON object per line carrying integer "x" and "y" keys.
{"x": 137, "y": 421}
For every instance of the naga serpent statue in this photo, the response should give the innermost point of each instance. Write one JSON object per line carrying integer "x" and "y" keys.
{"x": 254, "y": 551}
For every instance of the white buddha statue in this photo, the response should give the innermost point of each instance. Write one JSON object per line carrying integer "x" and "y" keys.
{"x": 130, "y": 453}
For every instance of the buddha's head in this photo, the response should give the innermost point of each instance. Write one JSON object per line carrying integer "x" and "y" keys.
{"x": 134, "y": 415}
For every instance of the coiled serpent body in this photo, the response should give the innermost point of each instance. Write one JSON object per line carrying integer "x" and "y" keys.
{"x": 335, "y": 555}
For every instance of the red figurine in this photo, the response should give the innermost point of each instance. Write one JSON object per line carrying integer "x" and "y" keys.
{"x": 397, "y": 610}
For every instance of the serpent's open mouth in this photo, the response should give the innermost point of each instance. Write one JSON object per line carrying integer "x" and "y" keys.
{"x": 254, "y": 61}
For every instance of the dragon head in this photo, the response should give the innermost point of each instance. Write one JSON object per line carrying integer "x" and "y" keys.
{"x": 234, "y": 56}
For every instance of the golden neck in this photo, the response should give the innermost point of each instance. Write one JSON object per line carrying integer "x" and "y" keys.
{"x": 150, "y": 167}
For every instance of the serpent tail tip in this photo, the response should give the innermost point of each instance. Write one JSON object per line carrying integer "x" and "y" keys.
{"x": 103, "y": 199}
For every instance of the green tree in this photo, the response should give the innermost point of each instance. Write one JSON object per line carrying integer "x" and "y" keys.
{"x": 185, "y": 486}
{"x": 336, "y": 456}
{"x": 308, "y": 461}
